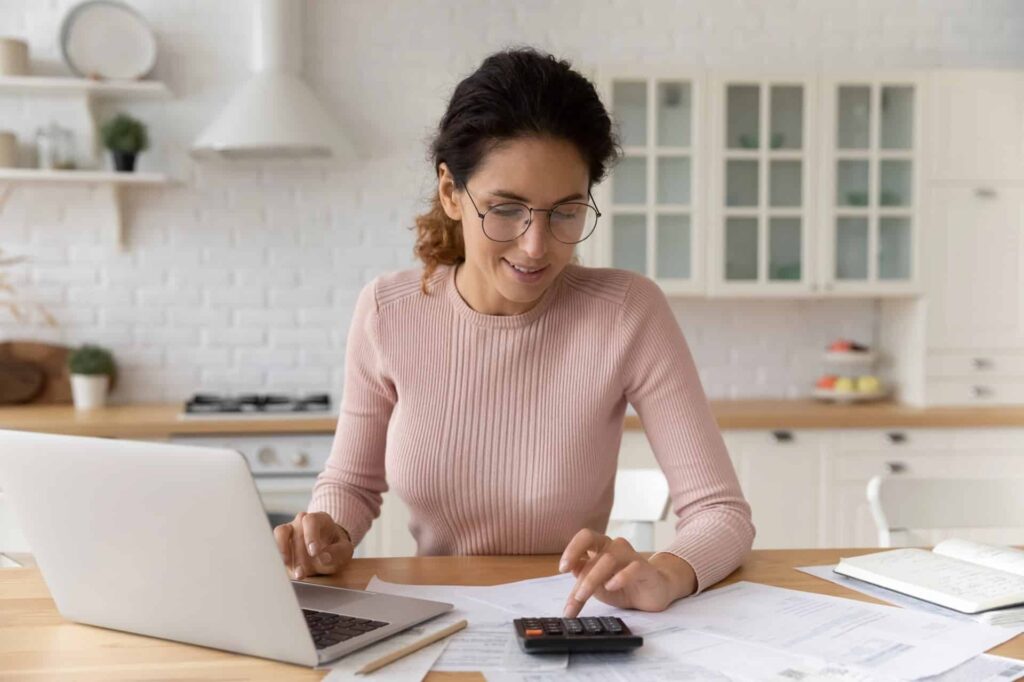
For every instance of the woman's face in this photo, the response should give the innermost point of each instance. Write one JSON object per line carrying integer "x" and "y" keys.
{"x": 538, "y": 172}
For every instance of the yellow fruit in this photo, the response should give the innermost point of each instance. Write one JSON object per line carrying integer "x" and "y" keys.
{"x": 843, "y": 385}
{"x": 868, "y": 384}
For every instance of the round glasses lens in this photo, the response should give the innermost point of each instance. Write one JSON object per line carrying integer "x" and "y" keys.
{"x": 505, "y": 222}
{"x": 572, "y": 223}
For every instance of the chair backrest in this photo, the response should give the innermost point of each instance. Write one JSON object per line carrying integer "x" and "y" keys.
{"x": 641, "y": 499}
{"x": 640, "y": 495}
{"x": 900, "y": 503}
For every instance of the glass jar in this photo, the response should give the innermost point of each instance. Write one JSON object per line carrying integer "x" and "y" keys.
{"x": 55, "y": 147}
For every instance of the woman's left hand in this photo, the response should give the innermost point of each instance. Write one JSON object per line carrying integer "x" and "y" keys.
{"x": 615, "y": 573}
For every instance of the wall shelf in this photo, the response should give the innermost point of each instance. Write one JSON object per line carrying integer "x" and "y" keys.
{"x": 88, "y": 91}
{"x": 110, "y": 184}
{"x": 45, "y": 85}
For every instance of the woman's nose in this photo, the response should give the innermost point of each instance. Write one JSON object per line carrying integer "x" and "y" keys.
{"x": 535, "y": 240}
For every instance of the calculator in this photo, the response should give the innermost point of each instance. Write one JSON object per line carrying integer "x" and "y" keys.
{"x": 558, "y": 635}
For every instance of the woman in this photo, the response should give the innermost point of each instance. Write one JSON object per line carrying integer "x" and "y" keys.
{"x": 489, "y": 387}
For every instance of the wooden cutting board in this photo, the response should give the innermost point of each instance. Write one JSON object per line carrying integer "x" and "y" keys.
{"x": 51, "y": 359}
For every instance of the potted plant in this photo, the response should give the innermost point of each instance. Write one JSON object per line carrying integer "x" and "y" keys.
{"x": 125, "y": 137}
{"x": 92, "y": 369}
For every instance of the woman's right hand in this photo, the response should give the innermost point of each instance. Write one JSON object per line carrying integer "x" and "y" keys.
{"x": 313, "y": 544}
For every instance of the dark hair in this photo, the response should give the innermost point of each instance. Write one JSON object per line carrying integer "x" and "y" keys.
{"x": 514, "y": 93}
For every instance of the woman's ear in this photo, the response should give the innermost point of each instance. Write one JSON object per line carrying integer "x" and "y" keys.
{"x": 446, "y": 193}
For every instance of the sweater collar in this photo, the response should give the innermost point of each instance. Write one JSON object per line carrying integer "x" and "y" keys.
{"x": 499, "y": 321}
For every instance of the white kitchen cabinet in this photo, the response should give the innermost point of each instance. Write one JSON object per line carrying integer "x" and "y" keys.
{"x": 977, "y": 125}
{"x": 975, "y": 275}
{"x": 814, "y": 183}
{"x": 762, "y": 133}
{"x": 653, "y": 202}
{"x": 871, "y": 184}
{"x": 780, "y": 473}
{"x": 389, "y": 534}
{"x": 857, "y": 455}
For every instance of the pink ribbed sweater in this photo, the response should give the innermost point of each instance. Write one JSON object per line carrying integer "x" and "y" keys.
{"x": 501, "y": 433}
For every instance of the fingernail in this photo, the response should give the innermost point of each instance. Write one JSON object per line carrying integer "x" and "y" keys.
{"x": 312, "y": 549}
{"x": 562, "y": 566}
{"x": 611, "y": 585}
{"x": 325, "y": 558}
{"x": 298, "y": 573}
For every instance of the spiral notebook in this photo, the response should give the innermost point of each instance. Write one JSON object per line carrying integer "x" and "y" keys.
{"x": 962, "y": 575}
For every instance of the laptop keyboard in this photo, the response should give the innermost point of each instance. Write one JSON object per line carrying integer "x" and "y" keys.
{"x": 330, "y": 628}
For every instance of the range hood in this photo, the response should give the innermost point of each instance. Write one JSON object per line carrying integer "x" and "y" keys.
{"x": 275, "y": 115}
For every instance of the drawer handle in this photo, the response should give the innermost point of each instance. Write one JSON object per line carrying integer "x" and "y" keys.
{"x": 982, "y": 363}
{"x": 985, "y": 192}
{"x": 783, "y": 436}
{"x": 895, "y": 467}
{"x": 981, "y": 391}
{"x": 896, "y": 437}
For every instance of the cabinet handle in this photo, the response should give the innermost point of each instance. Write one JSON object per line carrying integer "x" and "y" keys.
{"x": 981, "y": 391}
{"x": 982, "y": 363}
{"x": 985, "y": 193}
{"x": 895, "y": 467}
{"x": 897, "y": 437}
{"x": 783, "y": 436}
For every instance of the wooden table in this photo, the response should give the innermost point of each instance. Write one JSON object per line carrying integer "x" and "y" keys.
{"x": 36, "y": 642}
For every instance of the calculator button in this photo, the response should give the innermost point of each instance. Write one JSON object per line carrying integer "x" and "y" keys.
{"x": 534, "y": 633}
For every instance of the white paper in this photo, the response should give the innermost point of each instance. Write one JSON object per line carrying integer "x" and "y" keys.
{"x": 893, "y": 597}
{"x": 1002, "y": 558}
{"x": 680, "y": 654}
{"x": 488, "y": 644}
{"x": 984, "y": 668}
{"x": 547, "y": 596}
{"x": 879, "y": 639}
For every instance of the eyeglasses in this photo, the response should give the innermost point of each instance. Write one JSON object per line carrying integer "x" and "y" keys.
{"x": 569, "y": 222}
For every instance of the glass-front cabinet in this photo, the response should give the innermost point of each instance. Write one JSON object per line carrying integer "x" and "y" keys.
{"x": 761, "y": 172}
{"x": 651, "y": 201}
{"x": 872, "y": 192}
{"x": 737, "y": 184}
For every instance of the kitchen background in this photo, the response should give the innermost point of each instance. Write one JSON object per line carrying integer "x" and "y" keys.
{"x": 243, "y": 276}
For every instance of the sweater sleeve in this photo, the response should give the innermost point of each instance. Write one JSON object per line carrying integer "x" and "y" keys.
{"x": 350, "y": 486}
{"x": 714, "y": 531}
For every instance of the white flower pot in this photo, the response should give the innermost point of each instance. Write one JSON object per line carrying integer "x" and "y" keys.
{"x": 89, "y": 391}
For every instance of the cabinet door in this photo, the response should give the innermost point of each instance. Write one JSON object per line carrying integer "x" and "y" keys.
{"x": 761, "y": 133}
{"x": 857, "y": 456}
{"x": 652, "y": 198}
{"x": 975, "y": 275}
{"x": 780, "y": 472}
{"x": 871, "y": 186}
{"x": 977, "y": 131}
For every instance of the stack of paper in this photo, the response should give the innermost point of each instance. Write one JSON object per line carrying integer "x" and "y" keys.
{"x": 743, "y": 631}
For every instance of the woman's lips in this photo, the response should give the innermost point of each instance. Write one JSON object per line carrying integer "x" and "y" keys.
{"x": 524, "y": 277}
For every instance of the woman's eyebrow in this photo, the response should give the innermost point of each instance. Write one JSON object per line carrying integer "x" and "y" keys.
{"x": 505, "y": 194}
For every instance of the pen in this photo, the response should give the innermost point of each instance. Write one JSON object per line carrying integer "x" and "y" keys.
{"x": 411, "y": 647}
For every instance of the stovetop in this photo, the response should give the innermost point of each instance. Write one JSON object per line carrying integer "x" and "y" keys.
{"x": 257, "y": 405}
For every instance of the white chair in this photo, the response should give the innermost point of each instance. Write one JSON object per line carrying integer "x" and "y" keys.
{"x": 641, "y": 500}
{"x": 899, "y": 504}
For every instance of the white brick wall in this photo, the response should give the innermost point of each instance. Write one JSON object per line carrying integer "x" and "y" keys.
{"x": 244, "y": 277}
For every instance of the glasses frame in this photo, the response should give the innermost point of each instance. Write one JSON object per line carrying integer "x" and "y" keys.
{"x": 531, "y": 209}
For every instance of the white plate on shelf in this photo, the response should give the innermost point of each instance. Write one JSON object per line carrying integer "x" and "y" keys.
{"x": 829, "y": 395}
{"x": 108, "y": 40}
{"x": 850, "y": 357}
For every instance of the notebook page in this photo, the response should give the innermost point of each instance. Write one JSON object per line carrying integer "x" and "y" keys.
{"x": 943, "y": 580}
{"x": 994, "y": 556}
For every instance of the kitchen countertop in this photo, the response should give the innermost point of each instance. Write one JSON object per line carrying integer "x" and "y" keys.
{"x": 160, "y": 420}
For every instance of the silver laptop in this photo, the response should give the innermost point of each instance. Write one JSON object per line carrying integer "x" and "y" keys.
{"x": 172, "y": 541}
